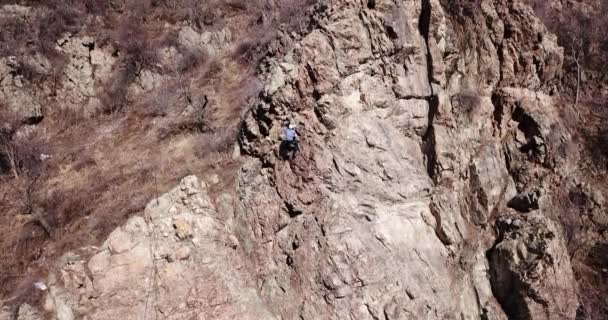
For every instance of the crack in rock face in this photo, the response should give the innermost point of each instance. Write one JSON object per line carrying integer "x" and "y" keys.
{"x": 388, "y": 218}
{"x": 422, "y": 131}
{"x": 88, "y": 66}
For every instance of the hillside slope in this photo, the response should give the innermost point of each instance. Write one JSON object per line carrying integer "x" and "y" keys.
{"x": 438, "y": 160}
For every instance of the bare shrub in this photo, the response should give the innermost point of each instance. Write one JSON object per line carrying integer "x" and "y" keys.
{"x": 580, "y": 31}
{"x": 199, "y": 13}
{"x": 137, "y": 53}
{"x": 191, "y": 58}
{"x": 162, "y": 101}
{"x": 249, "y": 52}
{"x": 62, "y": 207}
{"x": 291, "y": 12}
{"x": 462, "y": 8}
{"x": 244, "y": 47}
{"x": 238, "y": 4}
{"x": 138, "y": 7}
{"x": 221, "y": 141}
{"x": 97, "y": 7}
{"x": 196, "y": 120}
{"x": 58, "y": 18}
{"x": 597, "y": 144}
{"x": 593, "y": 284}
{"x": 114, "y": 99}
{"x": 86, "y": 160}
{"x": 19, "y": 150}
{"x": 467, "y": 102}
{"x": 213, "y": 68}
{"x": 13, "y": 32}
{"x": 133, "y": 41}
{"x": 9, "y": 152}
{"x": 28, "y": 169}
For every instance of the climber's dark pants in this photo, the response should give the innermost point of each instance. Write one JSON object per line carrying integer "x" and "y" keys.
{"x": 289, "y": 146}
{"x": 293, "y": 145}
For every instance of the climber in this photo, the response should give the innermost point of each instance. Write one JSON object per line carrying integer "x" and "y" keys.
{"x": 290, "y": 141}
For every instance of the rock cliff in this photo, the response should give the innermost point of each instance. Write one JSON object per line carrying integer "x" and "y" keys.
{"x": 430, "y": 149}
{"x": 423, "y": 124}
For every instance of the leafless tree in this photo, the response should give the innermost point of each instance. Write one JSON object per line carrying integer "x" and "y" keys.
{"x": 26, "y": 189}
{"x": 183, "y": 85}
{"x": 576, "y": 47}
{"x": 9, "y": 152}
{"x": 200, "y": 105}
{"x": 8, "y": 148}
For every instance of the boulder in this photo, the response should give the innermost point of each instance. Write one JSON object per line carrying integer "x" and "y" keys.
{"x": 140, "y": 272}
{"x": 530, "y": 269}
{"x": 210, "y": 42}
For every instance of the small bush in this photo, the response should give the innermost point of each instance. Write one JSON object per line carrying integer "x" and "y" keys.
{"x": 579, "y": 29}
{"x": 60, "y": 17}
{"x": 191, "y": 59}
{"x": 597, "y": 144}
{"x": 237, "y": 4}
{"x": 13, "y": 32}
{"x": 114, "y": 99}
{"x": 68, "y": 117}
{"x": 221, "y": 141}
{"x": 213, "y": 68}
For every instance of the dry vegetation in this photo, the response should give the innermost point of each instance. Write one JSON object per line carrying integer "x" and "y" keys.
{"x": 105, "y": 167}
{"x": 581, "y": 28}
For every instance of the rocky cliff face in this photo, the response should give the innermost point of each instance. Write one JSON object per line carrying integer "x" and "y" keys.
{"x": 424, "y": 123}
{"x": 430, "y": 145}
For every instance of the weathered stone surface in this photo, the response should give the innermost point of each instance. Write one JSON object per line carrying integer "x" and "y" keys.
{"x": 22, "y": 312}
{"x": 206, "y": 42}
{"x": 16, "y": 95}
{"x": 530, "y": 269}
{"x": 140, "y": 272}
{"x": 321, "y": 61}
{"x": 419, "y": 127}
{"x": 405, "y": 164}
{"x": 26, "y": 312}
{"x": 88, "y": 67}
{"x": 183, "y": 226}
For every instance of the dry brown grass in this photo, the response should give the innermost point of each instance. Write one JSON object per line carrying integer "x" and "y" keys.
{"x": 107, "y": 167}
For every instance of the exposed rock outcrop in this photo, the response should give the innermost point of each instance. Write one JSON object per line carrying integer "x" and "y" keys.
{"x": 177, "y": 262}
{"x": 88, "y": 68}
{"x": 531, "y": 272}
{"x": 23, "y": 312}
{"x": 208, "y": 42}
{"x": 421, "y": 121}
{"x": 20, "y": 100}
{"x": 428, "y": 134}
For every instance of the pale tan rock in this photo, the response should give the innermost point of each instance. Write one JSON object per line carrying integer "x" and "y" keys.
{"x": 16, "y": 94}
{"x": 209, "y": 42}
{"x": 183, "y": 253}
{"x": 183, "y": 227}
{"x": 203, "y": 280}
{"x": 145, "y": 82}
{"x": 319, "y": 57}
{"x": 26, "y": 312}
{"x": 214, "y": 179}
{"x": 351, "y": 42}
{"x": 276, "y": 80}
{"x": 88, "y": 66}
{"x": 119, "y": 242}
{"x": 406, "y": 164}
{"x": 532, "y": 251}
